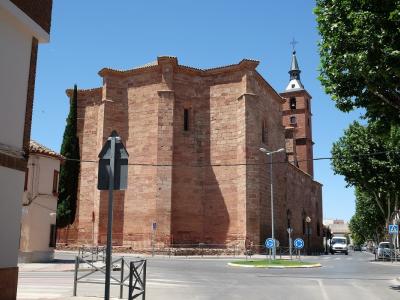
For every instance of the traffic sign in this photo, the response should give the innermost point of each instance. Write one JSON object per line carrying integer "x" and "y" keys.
{"x": 393, "y": 229}
{"x": 298, "y": 243}
{"x": 269, "y": 243}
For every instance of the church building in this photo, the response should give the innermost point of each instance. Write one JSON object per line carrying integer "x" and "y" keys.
{"x": 196, "y": 173}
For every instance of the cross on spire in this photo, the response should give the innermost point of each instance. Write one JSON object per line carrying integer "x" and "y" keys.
{"x": 293, "y": 43}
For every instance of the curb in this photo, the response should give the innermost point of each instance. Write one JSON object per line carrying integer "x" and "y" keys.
{"x": 277, "y": 267}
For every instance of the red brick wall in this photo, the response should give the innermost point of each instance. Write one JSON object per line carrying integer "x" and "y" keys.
{"x": 304, "y": 195}
{"x": 302, "y": 128}
{"x": 38, "y": 10}
{"x": 141, "y": 143}
{"x": 207, "y": 184}
{"x": 8, "y": 283}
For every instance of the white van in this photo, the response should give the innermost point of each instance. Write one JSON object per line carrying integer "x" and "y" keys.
{"x": 339, "y": 245}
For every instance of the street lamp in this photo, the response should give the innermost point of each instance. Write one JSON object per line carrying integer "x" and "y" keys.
{"x": 308, "y": 221}
{"x": 269, "y": 153}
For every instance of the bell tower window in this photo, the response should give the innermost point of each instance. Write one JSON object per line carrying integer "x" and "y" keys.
{"x": 186, "y": 120}
{"x": 293, "y": 103}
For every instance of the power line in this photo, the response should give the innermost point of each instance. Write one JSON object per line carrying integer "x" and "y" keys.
{"x": 238, "y": 164}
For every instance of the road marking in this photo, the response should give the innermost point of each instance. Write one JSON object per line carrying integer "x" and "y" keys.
{"x": 323, "y": 291}
{"x": 170, "y": 282}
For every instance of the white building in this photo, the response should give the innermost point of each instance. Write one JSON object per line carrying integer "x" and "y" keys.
{"x": 23, "y": 25}
{"x": 38, "y": 223}
{"x": 337, "y": 227}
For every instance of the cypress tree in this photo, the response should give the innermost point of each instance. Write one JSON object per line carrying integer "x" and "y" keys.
{"x": 69, "y": 172}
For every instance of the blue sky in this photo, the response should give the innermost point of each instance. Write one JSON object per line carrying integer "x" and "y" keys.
{"x": 89, "y": 35}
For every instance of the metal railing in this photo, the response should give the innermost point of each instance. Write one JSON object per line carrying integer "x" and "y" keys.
{"x": 92, "y": 269}
{"x": 95, "y": 253}
{"x": 137, "y": 279}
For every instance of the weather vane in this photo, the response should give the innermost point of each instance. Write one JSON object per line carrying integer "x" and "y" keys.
{"x": 293, "y": 43}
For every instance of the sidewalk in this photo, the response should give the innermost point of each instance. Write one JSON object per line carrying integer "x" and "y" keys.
{"x": 46, "y": 267}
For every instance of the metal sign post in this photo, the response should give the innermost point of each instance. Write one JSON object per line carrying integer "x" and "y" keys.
{"x": 270, "y": 245}
{"x": 110, "y": 219}
{"x": 113, "y": 157}
{"x": 298, "y": 244}
{"x": 394, "y": 231}
{"x": 290, "y": 230}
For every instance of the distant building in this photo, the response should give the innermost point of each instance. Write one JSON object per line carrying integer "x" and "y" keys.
{"x": 338, "y": 227}
{"x": 193, "y": 138}
{"x": 38, "y": 223}
{"x": 23, "y": 25}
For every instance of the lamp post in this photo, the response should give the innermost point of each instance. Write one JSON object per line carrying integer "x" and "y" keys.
{"x": 308, "y": 221}
{"x": 269, "y": 153}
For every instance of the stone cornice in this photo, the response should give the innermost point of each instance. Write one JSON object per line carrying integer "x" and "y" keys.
{"x": 84, "y": 91}
{"x": 247, "y": 94}
{"x": 288, "y": 94}
{"x": 243, "y": 64}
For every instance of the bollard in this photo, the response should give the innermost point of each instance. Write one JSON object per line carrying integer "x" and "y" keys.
{"x": 121, "y": 285}
{"x": 76, "y": 275}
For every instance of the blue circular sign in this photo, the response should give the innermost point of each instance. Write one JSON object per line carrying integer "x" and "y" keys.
{"x": 298, "y": 243}
{"x": 269, "y": 243}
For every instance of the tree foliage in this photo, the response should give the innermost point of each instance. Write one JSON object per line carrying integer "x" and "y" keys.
{"x": 69, "y": 172}
{"x": 370, "y": 160}
{"x": 367, "y": 223}
{"x": 360, "y": 55}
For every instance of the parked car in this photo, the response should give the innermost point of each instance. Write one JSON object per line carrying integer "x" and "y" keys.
{"x": 364, "y": 248}
{"x": 339, "y": 245}
{"x": 357, "y": 248}
{"x": 385, "y": 250}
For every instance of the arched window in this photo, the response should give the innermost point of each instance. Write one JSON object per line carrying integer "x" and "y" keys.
{"x": 292, "y": 103}
{"x": 186, "y": 119}
{"x": 263, "y": 132}
{"x": 288, "y": 216}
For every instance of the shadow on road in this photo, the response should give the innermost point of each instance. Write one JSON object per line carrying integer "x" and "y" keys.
{"x": 395, "y": 287}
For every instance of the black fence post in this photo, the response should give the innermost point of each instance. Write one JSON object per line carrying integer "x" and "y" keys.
{"x": 130, "y": 281}
{"x": 121, "y": 285}
{"x": 144, "y": 279}
{"x": 76, "y": 275}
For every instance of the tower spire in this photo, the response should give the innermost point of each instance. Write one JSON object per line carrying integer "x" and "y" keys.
{"x": 294, "y": 72}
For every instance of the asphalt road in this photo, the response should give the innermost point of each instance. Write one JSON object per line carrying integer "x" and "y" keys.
{"x": 340, "y": 277}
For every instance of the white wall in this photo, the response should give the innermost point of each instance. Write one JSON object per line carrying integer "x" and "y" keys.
{"x": 15, "y": 53}
{"x": 40, "y": 213}
{"x": 11, "y": 187}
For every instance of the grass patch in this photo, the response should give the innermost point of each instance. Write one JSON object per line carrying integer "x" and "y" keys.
{"x": 271, "y": 263}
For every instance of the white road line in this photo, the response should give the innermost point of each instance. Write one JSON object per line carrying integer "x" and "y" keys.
{"x": 323, "y": 291}
{"x": 38, "y": 296}
{"x": 165, "y": 284}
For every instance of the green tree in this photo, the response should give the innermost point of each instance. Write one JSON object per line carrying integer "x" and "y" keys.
{"x": 360, "y": 55}
{"x": 368, "y": 222}
{"x": 370, "y": 161}
{"x": 69, "y": 173}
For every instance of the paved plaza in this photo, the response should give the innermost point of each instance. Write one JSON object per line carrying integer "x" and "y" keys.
{"x": 355, "y": 276}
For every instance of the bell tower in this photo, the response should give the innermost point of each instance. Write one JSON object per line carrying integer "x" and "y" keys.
{"x": 296, "y": 117}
